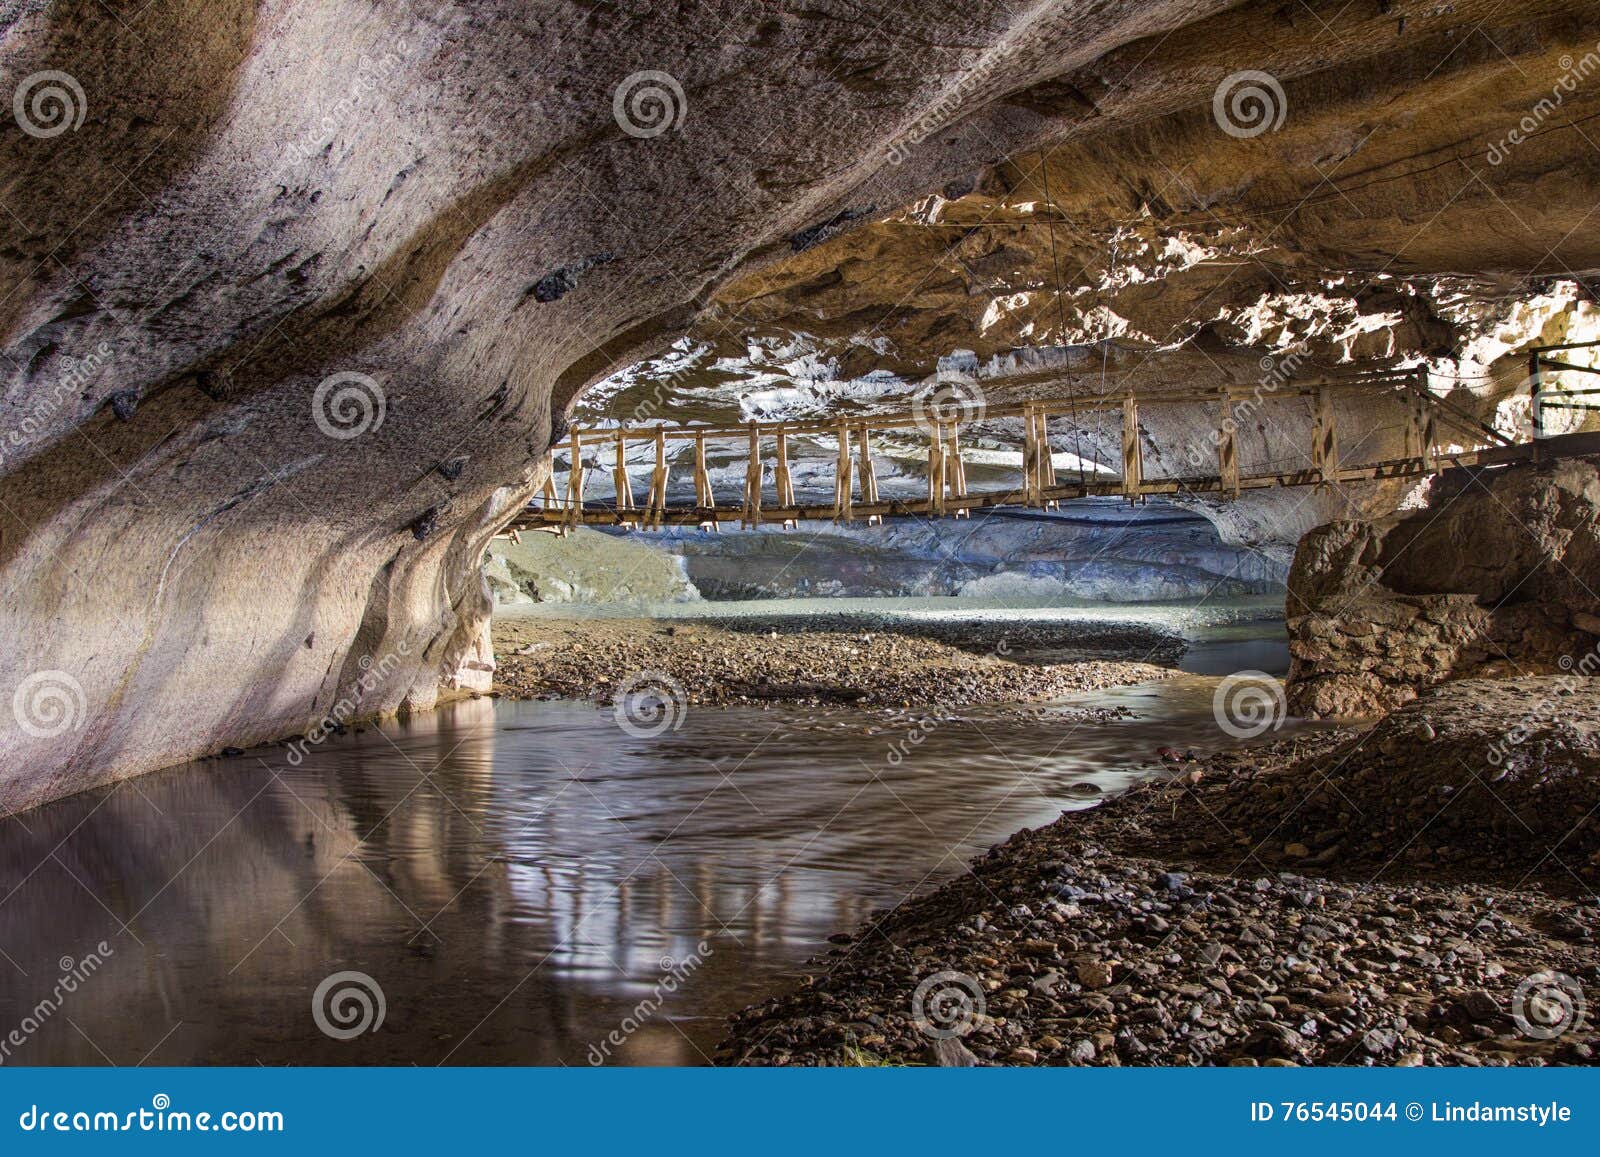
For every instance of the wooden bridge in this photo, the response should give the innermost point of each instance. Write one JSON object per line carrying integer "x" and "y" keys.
{"x": 855, "y": 483}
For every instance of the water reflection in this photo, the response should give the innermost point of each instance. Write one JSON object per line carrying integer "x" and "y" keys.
{"x": 515, "y": 876}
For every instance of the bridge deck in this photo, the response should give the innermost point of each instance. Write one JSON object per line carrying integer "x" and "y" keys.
{"x": 856, "y": 488}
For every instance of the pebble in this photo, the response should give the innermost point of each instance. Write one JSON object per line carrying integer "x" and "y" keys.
{"x": 1123, "y": 935}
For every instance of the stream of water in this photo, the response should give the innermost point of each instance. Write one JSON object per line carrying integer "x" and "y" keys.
{"x": 525, "y": 882}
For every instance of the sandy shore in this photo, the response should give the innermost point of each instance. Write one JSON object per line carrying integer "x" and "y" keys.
{"x": 858, "y": 658}
{"x": 1347, "y": 897}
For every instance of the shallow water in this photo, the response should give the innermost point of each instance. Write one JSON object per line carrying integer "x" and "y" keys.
{"x": 517, "y": 878}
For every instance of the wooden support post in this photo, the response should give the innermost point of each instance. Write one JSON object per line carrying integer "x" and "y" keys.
{"x": 841, "y": 481}
{"x": 956, "y": 469}
{"x": 550, "y": 499}
{"x": 1422, "y": 432}
{"x": 1047, "y": 460}
{"x": 936, "y": 468}
{"x": 1536, "y": 401}
{"x": 1228, "y": 450}
{"x": 1030, "y": 455}
{"x": 658, "y": 480}
{"x": 575, "y": 483}
{"x": 703, "y": 498}
{"x": 781, "y": 476}
{"x": 752, "y": 479}
{"x": 1132, "y": 451}
{"x": 868, "y": 475}
{"x": 1324, "y": 437}
{"x": 619, "y": 476}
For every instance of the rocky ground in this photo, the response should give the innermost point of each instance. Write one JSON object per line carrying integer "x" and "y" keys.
{"x": 1418, "y": 893}
{"x": 863, "y": 659}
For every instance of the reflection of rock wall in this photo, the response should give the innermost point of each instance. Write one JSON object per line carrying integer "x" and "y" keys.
{"x": 1103, "y": 551}
{"x": 1497, "y": 576}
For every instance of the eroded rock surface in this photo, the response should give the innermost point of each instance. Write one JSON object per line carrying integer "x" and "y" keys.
{"x": 1497, "y": 575}
{"x": 294, "y": 299}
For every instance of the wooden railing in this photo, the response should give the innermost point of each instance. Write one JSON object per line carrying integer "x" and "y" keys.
{"x": 1542, "y": 397}
{"x": 856, "y": 491}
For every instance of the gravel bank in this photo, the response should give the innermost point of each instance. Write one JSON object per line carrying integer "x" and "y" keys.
{"x": 873, "y": 661}
{"x": 1222, "y": 917}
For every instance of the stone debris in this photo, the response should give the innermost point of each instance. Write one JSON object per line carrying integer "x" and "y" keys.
{"x": 1183, "y": 924}
{"x": 870, "y": 660}
{"x": 1378, "y": 610}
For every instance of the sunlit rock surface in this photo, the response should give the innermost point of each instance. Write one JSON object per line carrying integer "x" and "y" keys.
{"x": 207, "y": 537}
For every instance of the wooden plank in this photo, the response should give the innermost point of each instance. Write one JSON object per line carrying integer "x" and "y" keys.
{"x": 956, "y": 470}
{"x": 1463, "y": 421}
{"x": 947, "y": 484}
{"x": 1132, "y": 451}
{"x": 1552, "y": 364}
{"x": 867, "y": 473}
{"x": 703, "y": 498}
{"x": 1227, "y": 450}
{"x": 658, "y": 482}
{"x": 1422, "y": 431}
{"x": 1324, "y": 438}
{"x": 752, "y": 478}
{"x": 1565, "y": 445}
{"x": 1030, "y": 456}
{"x": 781, "y": 477}
{"x": 619, "y": 476}
{"x": 841, "y": 480}
{"x": 575, "y": 482}
{"x": 1402, "y": 468}
{"x": 1047, "y": 460}
{"x": 1536, "y": 397}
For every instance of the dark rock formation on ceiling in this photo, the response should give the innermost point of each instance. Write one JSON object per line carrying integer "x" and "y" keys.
{"x": 294, "y": 292}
